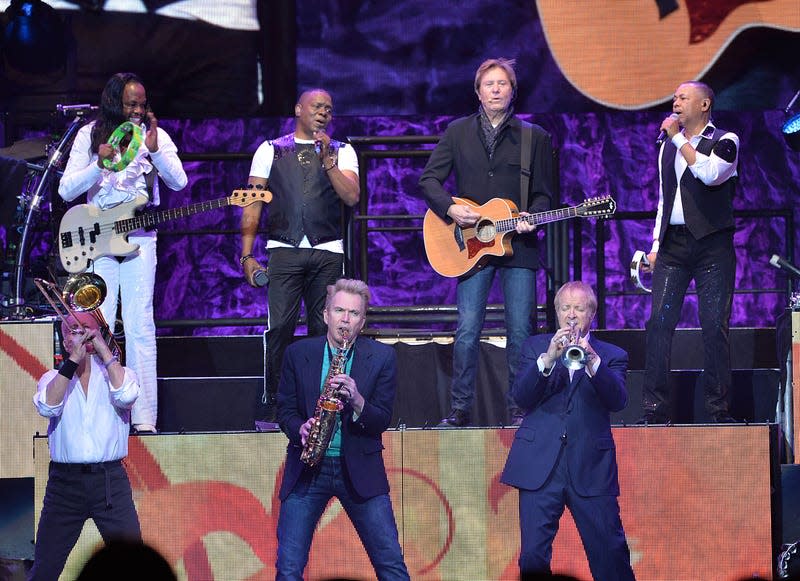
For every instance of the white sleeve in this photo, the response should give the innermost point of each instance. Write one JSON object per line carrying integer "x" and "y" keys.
{"x": 348, "y": 159}
{"x": 262, "y": 160}
{"x": 82, "y": 171}
{"x": 711, "y": 169}
{"x": 40, "y": 397}
{"x": 167, "y": 162}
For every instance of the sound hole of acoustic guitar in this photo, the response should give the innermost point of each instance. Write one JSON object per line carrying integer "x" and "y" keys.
{"x": 485, "y": 230}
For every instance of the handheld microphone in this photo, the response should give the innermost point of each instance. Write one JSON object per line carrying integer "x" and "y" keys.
{"x": 78, "y": 108}
{"x": 783, "y": 264}
{"x": 663, "y": 135}
{"x": 261, "y": 277}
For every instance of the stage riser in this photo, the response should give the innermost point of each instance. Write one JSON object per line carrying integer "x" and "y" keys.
{"x": 194, "y": 404}
{"x": 210, "y": 356}
{"x": 696, "y": 504}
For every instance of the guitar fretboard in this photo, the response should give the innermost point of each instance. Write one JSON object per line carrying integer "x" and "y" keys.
{"x": 154, "y": 218}
{"x": 510, "y": 224}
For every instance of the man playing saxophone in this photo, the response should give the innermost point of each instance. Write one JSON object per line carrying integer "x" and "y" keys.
{"x": 351, "y": 467}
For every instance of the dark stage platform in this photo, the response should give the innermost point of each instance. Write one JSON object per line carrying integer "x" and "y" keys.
{"x": 216, "y": 383}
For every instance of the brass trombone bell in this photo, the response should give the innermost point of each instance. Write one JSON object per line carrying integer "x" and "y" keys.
{"x": 83, "y": 293}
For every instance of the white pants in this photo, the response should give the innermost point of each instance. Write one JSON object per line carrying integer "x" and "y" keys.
{"x": 135, "y": 279}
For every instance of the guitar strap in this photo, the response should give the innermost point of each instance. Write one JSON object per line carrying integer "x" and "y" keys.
{"x": 525, "y": 164}
{"x": 150, "y": 180}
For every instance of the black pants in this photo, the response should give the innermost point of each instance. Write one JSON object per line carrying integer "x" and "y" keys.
{"x": 711, "y": 262}
{"x": 75, "y": 493}
{"x": 296, "y": 274}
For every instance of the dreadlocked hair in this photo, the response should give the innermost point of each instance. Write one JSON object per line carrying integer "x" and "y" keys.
{"x": 111, "y": 114}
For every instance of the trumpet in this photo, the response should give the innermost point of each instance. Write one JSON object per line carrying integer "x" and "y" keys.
{"x": 574, "y": 356}
{"x": 82, "y": 293}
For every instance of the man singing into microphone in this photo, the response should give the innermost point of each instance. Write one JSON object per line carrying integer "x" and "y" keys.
{"x": 310, "y": 176}
{"x": 692, "y": 239}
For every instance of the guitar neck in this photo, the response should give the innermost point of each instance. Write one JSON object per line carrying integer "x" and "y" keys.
{"x": 546, "y": 217}
{"x": 154, "y": 218}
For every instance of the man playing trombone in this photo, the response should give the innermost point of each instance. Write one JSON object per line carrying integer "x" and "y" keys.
{"x": 563, "y": 452}
{"x": 88, "y": 402}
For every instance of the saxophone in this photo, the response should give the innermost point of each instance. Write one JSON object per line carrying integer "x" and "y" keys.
{"x": 328, "y": 407}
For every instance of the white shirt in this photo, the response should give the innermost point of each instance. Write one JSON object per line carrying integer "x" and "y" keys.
{"x": 347, "y": 160}
{"x": 712, "y": 170}
{"x": 89, "y": 428}
{"x": 107, "y": 189}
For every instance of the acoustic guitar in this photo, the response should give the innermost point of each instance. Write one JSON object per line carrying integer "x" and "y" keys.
{"x": 86, "y": 232}
{"x": 624, "y": 54}
{"x": 456, "y": 251}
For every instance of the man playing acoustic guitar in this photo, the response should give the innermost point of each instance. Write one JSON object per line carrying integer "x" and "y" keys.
{"x": 485, "y": 150}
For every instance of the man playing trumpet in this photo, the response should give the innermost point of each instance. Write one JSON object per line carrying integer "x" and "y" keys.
{"x": 563, "y": 452}
{"x": 88, "y": 401}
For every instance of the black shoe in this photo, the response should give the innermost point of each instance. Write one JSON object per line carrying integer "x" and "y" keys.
{"x": 653, "y": 417}
{"x": 725, "y": 418}
{"x": 456, "y": 419}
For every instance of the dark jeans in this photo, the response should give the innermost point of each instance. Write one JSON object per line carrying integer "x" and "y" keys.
{"x": 372, "y": 518}
{"x": 596, "y": 517}
{"x": 296, "y": 274}
{"x": 75, "y": 493}
{"x": 711, "y": 262}
{"x": 519, "y": 293}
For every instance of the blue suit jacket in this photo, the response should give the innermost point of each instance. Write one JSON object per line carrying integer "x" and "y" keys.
{"x": 374, "y": 371}
{"x": 572, "y": 415}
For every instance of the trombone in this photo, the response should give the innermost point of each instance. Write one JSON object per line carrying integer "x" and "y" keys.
{"x": 82, "y": 293}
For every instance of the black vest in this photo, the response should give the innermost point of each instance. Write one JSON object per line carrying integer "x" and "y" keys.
{"x": 304, "y": 201}
{"x": 706, "y": 209}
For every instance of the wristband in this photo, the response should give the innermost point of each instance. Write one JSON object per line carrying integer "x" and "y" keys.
{"x": 108, "y": 363}
{"x": 245, "y": 258}
{"x": 333, "y": 165}
{"x": 679, "y": 140}
{"x": 68, "y": 369}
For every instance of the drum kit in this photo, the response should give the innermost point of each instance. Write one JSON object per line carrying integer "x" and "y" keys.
{"x": 39, "y": 183}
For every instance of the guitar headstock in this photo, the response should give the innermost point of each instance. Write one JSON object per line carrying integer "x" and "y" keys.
{"x": 597, "y": 207}
{"x": 247, "y": 196}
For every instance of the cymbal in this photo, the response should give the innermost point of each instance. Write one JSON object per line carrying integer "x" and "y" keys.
{"x": 26, "y": 149}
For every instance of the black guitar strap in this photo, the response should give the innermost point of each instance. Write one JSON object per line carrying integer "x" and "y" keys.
{"x": 525, "y": 164}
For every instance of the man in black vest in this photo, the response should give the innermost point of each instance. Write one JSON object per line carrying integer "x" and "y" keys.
{"x": 309, "y": 175}
{"x": 692, "y": 239}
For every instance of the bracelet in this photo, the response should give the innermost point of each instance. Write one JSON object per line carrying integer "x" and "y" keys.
{"x": 68, "y": 369}
{"x": 245, "y": 258}
{"x": 333, "y": 165}
{"x": 108, "y": 363}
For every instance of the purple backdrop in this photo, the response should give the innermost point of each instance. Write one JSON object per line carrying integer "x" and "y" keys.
{"x": 199, "y": 275}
